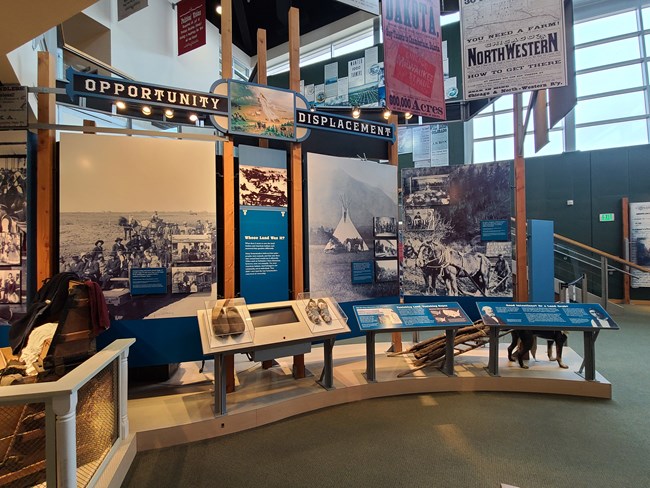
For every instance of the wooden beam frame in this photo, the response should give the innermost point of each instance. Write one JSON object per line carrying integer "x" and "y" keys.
{"x": 521, "y": 250}
{"x": 393, "y": 160}
{"x": 625, "y": 217}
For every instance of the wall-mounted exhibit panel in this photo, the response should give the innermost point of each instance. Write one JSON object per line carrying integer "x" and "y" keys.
{"x": 138, "y": 216}
{"x": 456, "y": 236}
{"x": 352, "y": 227}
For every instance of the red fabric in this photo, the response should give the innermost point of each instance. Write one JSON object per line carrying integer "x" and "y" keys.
{"x": 98, "y": 308}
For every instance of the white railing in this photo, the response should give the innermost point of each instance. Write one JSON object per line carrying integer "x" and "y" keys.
{"x": 61, "y": 400}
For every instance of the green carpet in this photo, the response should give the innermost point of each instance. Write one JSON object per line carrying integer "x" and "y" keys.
{"x": 442, "y": 440}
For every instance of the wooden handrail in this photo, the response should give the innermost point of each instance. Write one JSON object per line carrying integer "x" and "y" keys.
{"x": 601, "y": 253}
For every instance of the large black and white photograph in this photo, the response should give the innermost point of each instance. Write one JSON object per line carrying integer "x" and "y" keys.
{"x": 448, "y": 258}
{"x": 386, "y": 248}
{"x": 345, "y": 197}
{"x": 191, "y": 279}
{"x": 260, "y": 186}
{"x": 385, "y": 227}
{"x": 124, "y": 202}
{"x": 386, "y": 271}
{"x": 10, "y": 287}
{"x": 425, "y": 190}
{"x": 10, "y": 248}
{"x": 191, "y": 249}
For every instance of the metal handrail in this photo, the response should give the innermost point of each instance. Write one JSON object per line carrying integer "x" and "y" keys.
{"x": 601, "y": 253}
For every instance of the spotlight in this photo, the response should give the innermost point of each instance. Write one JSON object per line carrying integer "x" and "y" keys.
{"x": 146, "y": 109}
{"x": 408, "y": 115}
{"x": 387, "y": 113}
{"x": 219, "y": 9}
{"x": 194, "y": 117}
{"x": 169, "y": 113}
{"x": 120, "y": 105}
{"x": 356, "y": 112}
{"x": 312, "y": 108}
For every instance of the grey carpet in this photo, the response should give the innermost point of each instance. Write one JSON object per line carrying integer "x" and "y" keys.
{"x": 446, "y": 440}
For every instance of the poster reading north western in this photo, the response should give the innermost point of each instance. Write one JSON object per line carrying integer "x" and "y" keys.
{"x": 640, "y": 242}
{"x": 413, "y": 68}
{"x": 512, "y": 46}
{"x": 352, "y": 222}
{"x": 444, "y": 252}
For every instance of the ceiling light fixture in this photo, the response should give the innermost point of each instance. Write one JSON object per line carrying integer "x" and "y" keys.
{"x": 387, "y": 113}
{"x": 146, "y": 109}
{"x": 408, "y": 115}
{"x": 120, "y": 105}
{"x": 356, "y": 112}
{"x": 194, "y": 117}
{"x": 169, "y": 113}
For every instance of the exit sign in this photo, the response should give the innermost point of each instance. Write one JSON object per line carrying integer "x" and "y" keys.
{"x": 607, "y": 217}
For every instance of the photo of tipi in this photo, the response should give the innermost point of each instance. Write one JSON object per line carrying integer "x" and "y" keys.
{"x": 346, "y": 237}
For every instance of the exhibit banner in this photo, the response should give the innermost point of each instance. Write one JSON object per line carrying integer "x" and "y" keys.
{"x": 348, "y": 125}
{"x": 13, "y": 107}
{"x": 139, "y": 223}
{"x": 442, "y": 315}
{"x": 190, "y": 23}
{"x": 352, "y": 225}
{"x": 414, "y": 74}
{"x": 445, "y": 210}
{"x": 565, "y": 316}
{"x": 512, "y": 46}
{"x": 640, "y": 242}
{"x": 263, "y": 225}
{"x": 126, "y": 8}
{"x": 439, "y": 145}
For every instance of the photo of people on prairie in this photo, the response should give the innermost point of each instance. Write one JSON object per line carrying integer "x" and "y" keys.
{"x": 261, "y": 111}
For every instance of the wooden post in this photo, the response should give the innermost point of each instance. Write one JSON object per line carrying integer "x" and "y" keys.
{"x": 297, "y": 268}
{"x": 396, "y": 337}
{"x": 520, "y": 204}
{"x": 261, "y": 67}
{"x": 45, "y": 264}
{"x": 625, "y": 217}
{"x": 228, "y": 186}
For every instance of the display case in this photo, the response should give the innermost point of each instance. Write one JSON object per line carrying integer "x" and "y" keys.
{"x": 321, "y": 312}
{"x": 227, "y": 323}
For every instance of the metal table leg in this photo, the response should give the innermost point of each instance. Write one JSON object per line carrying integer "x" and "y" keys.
{"x": 370, "y": 356}
{"x": 219, "y": 385}
{"x": 493, "y": 361}
{"x": 590, "y": 355}
{"x": 327, "y": 376}
{"x": 449, "y": 352}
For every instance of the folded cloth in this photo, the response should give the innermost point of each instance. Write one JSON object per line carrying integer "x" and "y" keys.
{"x": 98, "y": 308}
{"x": 31, "y": 352}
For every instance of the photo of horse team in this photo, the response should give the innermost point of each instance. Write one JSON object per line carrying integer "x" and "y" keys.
{"x": 443, "y": 253}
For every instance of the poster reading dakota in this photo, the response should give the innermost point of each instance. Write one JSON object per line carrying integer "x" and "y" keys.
{"x": 512, "y": 46}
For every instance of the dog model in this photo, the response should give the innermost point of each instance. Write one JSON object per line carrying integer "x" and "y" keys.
{"x": 527, "y": 343}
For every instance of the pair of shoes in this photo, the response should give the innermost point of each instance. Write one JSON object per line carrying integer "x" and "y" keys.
{"x": 227, "y": 321}
{"x": 313, "y": 311}
{"x": 324, "y": 311}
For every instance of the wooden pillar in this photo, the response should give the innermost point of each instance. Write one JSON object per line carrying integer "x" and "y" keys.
{"x": 261, "y": 67}
{"x": 228, "y": 186}
{"x": 396, "y": 337}
{"x": 295, "y": 160}
{"x": 625, "y": 217}
{"x": 45, "y": 262}
{"x": 520, "y": 204}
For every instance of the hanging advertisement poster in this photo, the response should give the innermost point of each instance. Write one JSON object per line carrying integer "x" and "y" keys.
{"x": 404, "y": 140}
{"x": 422, "y": 143}
{"x": 443, "y": 252}
{"x": 127, "y": 206}
{"x": 263, "y": 224}
{"x": 371, "y": 6}
{"x": 439, "y": 145}
{"x": 125, "y": 8}
{"x": 346, "y": 198}
{"x": 331, "y": 80}
{"x": 512, "y": 46}
{"x": 640, "y": 242}
{"x": 356, "y": 73}
{"x": 371, "y": 61}
{"x": 190, "y": 25}
{"x": 414, "y": 74}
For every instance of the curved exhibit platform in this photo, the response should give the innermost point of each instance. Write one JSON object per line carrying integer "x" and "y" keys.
{"x": 265, "y": 396}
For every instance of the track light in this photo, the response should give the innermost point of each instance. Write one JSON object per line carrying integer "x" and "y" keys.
{"x": 194, "y": 117}
{"x": 146, "y": 109}
{"x": 120, "y": 105}
{"x": 408, "y": 115}
{"x": 169, "y": 113}
{"x": 356, "y": 112}
{"x": 387, "y": 113}
{"x": 219, "y": 9}
{"x": 312, "y": 107}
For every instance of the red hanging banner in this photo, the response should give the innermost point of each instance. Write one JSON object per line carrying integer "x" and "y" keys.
{"x": 191, "y": 25}
{"x": 413, "y": 68}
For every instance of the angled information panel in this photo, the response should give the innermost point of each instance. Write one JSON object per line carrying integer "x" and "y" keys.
{"x": 565, "y": 316}
{"x": 442, "y": 315}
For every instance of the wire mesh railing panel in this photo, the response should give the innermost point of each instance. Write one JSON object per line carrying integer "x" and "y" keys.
{"x": 97, "y": 421}
{"x": 22, "y": 445}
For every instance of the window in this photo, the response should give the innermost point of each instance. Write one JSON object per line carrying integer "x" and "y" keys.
{"x": 603, "y": 28}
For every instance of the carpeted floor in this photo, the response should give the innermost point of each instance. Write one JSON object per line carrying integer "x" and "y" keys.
{"x": 443, "y": 440}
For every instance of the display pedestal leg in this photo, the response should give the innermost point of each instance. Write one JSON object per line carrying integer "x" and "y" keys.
{"x": 229, "y": 362}
{"x": 449, "y": 352}
{"x": 370, "y": 357}
{"x": 220, "y": 384}
{"x": 268, "y": 364}
{"x": 493, "y": 361}
{"x": 590, "y": 355}
{"x": 327, "y": 376}
{"x": 299, "y": 366}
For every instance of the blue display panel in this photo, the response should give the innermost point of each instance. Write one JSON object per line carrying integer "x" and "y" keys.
{"x": 441, "y": 315}
{"x": 575, "y": 316}
{"x": 362, "y": 272}
{"x": 148, "y": 281}
{"x": 495, "y": 230}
